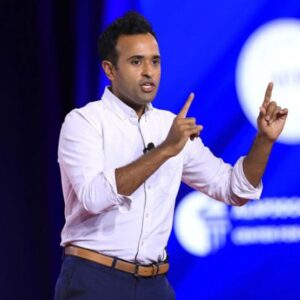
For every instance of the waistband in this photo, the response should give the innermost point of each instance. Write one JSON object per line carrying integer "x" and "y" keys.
{"x": 119, "y": 264}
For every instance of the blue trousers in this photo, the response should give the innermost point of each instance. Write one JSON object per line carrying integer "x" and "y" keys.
{"x": 81, "y": 279}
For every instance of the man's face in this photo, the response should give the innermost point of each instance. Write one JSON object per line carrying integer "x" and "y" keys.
{"x": 136, "y": 77}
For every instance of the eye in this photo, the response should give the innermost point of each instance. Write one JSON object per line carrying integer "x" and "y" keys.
{"x": 156, "y": 61}
{"x": 136, "y": 62}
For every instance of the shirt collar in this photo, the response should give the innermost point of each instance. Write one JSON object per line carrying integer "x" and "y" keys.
{"x": 119, "y": 107}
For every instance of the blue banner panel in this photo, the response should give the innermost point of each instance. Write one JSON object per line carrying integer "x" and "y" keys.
{"x": 227, "y": 52}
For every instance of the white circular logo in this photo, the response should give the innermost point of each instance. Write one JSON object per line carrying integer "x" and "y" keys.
{"x": 201, "y": 224}
{"x": 272, "y": 53}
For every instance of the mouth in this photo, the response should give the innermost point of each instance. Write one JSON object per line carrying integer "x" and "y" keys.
{"x": 148, "y": 86}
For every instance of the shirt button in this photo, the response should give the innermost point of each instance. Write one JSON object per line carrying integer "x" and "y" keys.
{"x": 147, "y": 215}
{"x": 149, "y": 187}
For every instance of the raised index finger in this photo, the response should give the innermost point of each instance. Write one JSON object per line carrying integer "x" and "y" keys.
{"x": 186, "y": 106}
{"x": 268, "y": 94}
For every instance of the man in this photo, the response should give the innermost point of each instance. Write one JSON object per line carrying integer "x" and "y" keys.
{"x": 121, "y": 164}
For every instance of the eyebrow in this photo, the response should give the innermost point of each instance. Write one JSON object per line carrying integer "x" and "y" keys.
{"x": 142, "y": 56}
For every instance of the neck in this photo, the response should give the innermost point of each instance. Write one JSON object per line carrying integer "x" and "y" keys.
{"x": 139, "y": 109}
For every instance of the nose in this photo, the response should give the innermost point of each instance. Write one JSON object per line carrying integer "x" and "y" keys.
{"x": 147, "y": 70}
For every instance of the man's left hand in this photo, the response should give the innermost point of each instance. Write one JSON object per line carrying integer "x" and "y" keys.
{"x": 272, "y": 117}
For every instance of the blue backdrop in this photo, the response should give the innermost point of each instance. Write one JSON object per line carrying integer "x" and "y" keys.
{"x": 49, "y": 65}
{"x": 246, "y": 253}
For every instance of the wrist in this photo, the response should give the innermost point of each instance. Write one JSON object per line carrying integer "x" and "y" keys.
{"x": 166, "y": 150}
{"x": 264, "y": 140}
{"x": 262, "y": 147}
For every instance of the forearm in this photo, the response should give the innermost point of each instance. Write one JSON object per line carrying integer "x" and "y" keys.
{"x": 270, "y": 123}
{"x": 131, "y": 176}
{"x": 255, "y": 162}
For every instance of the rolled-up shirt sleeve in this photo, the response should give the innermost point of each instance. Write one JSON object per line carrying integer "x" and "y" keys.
{"x": 209, "y": 174}
{"x": 240, "y": 185}
{"x": 81, "y": 159}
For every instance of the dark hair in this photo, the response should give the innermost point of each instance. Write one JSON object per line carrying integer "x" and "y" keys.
{"x": 131, "y": 23}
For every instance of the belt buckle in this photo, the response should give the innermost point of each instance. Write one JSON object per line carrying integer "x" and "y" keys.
{"x": 155, "y": 268}
{"x": 136, "y": 270}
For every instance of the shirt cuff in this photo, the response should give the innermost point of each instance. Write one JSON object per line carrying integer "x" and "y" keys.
{"x": 240, "y": 185}
{"x": 123, "y": 202}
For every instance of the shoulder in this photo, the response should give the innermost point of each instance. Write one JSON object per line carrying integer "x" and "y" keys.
{"x": 90, "y": 113}
{"x": 84, "y": 121}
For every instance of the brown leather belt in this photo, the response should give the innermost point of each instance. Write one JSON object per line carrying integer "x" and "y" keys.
{"x": 122, "y": 265}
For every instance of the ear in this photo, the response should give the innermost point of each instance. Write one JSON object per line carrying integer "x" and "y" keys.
{"x": 108, "y": 68}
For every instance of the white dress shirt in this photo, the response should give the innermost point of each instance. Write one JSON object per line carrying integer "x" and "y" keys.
{"x": 107, "y": 134}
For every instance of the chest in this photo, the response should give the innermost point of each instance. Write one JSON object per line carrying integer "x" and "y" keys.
{"x": 124, "y": 142}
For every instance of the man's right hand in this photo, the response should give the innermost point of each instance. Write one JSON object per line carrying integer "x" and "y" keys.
{"x": 182, "y": 129}
{"x": 131, "y": 176}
